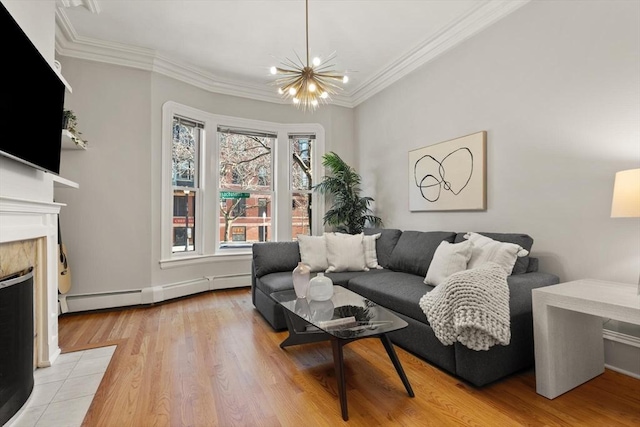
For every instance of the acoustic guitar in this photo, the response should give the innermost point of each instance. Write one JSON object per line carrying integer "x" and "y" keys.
{"x": 64, "y": 272}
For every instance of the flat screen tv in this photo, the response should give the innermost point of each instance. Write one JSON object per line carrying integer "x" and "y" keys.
{"x": 31, "y": 101}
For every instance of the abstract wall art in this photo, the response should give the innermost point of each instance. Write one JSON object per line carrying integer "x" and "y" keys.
{"x": 450, "y": 175}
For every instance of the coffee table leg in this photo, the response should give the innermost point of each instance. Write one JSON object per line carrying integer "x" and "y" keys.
{"x": 298, "y": 333}
{"x": 338, "y": 362}
{"x": 396, "y": 362}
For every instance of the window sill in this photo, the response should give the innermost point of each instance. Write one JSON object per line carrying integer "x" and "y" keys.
{"x": 185, "y": 261}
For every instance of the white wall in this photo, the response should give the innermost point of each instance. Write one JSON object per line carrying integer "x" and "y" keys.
{"x": 111, "y": 227}
{"x": 557, "y": 87}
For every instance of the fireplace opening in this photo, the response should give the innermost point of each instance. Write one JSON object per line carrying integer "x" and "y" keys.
{"x": 16, "y": 342}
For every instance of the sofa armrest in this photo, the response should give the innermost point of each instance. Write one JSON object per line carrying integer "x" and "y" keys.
{"x": 273, "y": 257}
{"x": 520, "y": 287}
{"x": 253, "y": 283}
{"x": 533, "y": 265}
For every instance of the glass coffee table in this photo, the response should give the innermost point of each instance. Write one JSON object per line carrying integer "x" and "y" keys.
{"x": 344, "y": 318}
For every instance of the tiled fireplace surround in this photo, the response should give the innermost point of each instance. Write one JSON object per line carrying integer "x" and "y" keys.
{"x": 29, "y": 237}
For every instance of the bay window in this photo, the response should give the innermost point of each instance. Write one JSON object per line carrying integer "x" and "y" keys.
{"x": 230, "y": 182}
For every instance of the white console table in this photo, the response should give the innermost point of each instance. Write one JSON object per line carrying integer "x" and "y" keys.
{"x": 567, "y": 325}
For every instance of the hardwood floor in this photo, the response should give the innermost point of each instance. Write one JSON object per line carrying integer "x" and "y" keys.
{"x": 211, "y": 360}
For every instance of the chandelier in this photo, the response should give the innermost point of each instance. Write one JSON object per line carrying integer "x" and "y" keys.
{"x": 308, "y": 84}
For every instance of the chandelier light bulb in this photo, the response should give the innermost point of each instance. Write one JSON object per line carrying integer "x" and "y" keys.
{"x": 310, "y": 81}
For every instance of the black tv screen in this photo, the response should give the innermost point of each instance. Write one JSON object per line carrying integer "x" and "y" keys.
{"x": 31, "y": 101}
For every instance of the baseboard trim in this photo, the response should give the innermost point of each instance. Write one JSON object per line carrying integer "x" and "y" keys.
{"x": 229, "y": 281}
{"x": 623, "y": 371}
{"x": 149, "y": 295}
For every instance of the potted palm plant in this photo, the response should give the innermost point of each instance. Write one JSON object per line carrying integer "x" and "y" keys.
{"x": 350, "y": 212}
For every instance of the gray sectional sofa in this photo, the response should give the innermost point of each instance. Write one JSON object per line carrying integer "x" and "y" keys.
{"x": 405, "y": 256}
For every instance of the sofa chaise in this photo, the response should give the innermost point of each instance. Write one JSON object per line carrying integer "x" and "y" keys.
{"x": 405, "y": 257}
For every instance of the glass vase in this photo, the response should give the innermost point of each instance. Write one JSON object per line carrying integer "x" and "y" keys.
{"x": 301, "y": 276}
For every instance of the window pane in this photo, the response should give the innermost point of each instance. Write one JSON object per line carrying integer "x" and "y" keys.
{"x": 184, "y": 221}
{"x": 245, "y": 161}
{"x": 184, "y": 153}
{"x": 301, "y": 214}
{"x": 245, "y": 218}
{"x": 301, "y": 163}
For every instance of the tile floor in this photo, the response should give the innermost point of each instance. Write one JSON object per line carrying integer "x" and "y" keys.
{"x": 63, "y": 392}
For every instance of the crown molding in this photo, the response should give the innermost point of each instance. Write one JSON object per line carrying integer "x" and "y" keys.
{"x": 473, "y": 22}
{"x": 91, "y": 5}
{"x": 69, "y": 43}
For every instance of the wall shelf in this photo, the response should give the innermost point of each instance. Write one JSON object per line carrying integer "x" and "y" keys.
{"x": 60, "y": 182}
{"x": 68, "y": 143}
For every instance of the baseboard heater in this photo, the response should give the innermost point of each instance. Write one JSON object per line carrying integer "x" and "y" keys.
{"x": 149, "y": 295}
{"x": 622, "y": 347}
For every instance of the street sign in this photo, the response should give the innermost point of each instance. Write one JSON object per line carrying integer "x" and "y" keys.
{"x": 233, "y": 195}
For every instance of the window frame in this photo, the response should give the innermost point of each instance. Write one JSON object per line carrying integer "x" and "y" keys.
{"x": 188, "y": 190}
{"x": 207, "y": 203}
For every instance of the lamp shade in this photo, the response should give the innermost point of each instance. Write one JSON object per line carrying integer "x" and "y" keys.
{"x": 626, "y": 194}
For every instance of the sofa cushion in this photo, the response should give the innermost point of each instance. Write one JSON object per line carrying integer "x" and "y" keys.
{"x": 415, "y": 250}
{"x": 523, "y": 240}
{"x": 274, "y": 282}
{"x": 343, "y": 277}
{"x": 385, "y": 244}
{"x": 400, "y": 292}
{"x": 271, "y": 257}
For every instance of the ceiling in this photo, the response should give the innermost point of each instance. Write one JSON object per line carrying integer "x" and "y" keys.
{"x": 227, "y": 46}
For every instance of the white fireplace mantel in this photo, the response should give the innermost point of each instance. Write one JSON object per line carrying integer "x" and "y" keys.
{"x": 28, "y": 212}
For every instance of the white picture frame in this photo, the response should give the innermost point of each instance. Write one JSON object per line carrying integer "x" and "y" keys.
{"x": 450, "y": 175}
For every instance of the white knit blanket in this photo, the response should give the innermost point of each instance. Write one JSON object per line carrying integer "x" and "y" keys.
{"x": 471, "y": 307}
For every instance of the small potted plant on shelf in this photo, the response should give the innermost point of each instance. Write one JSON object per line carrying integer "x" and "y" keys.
{"x": 70, "y": 123}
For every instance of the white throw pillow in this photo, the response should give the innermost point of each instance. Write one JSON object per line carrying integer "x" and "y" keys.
{"x": 345, "y": 252}
{"x": 370, "y": 253}
{"x": 489, "y": 250}
{"x": 313, "y": 252}
{"x": 448, "y": 259}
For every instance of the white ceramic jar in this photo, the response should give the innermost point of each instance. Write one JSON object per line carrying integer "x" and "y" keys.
{"x": 320, "y": 288}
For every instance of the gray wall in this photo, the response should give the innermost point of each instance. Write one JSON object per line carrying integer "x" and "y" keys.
{"x": 111, "y": 226}
{"x": 106, "y": 225}
{"x": 557, "y": 87}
